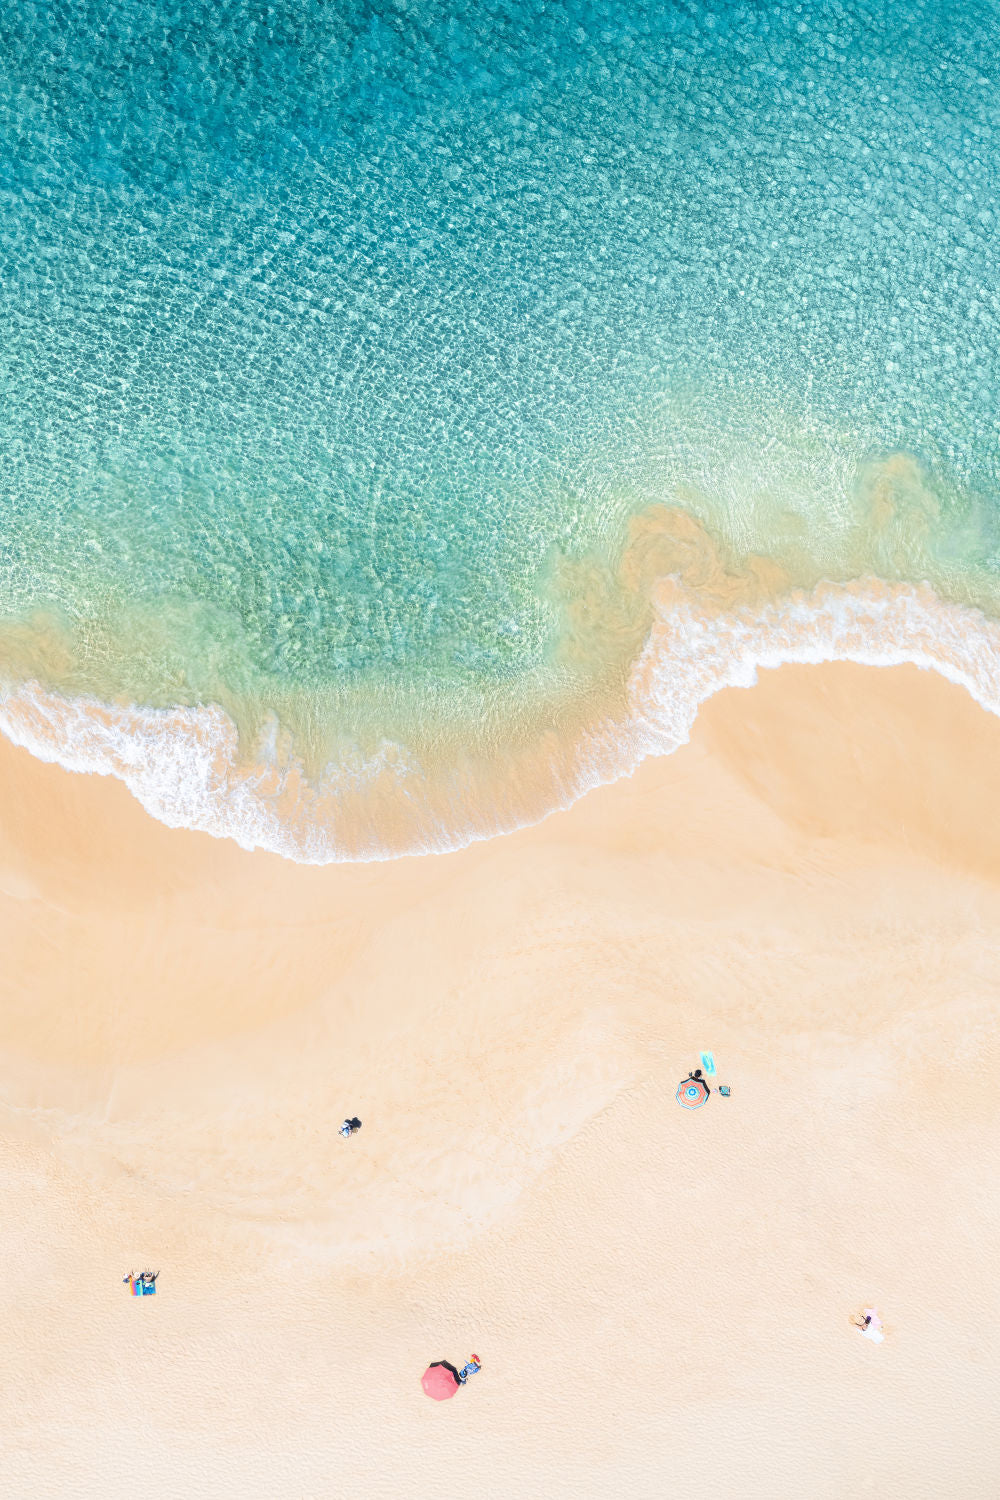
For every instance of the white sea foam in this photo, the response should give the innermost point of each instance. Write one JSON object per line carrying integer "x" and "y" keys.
{"x": 185, "y": 767}
{"x": 692, "y": 653}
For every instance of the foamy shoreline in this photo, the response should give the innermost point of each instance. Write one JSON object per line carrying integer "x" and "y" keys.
{"x": 810, "y": 887}
{"x": 185, "y": 767}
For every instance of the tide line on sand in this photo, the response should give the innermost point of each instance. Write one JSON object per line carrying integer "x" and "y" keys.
{"x": 184, "y": 764}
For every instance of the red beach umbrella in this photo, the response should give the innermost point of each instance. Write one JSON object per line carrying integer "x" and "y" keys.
{"x": 692, "y": 1092}
{"x": 440, "y": 1381}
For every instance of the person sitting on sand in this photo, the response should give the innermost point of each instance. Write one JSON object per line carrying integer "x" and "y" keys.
{"x": 871, "y": 1325}
{"x": 350, "y": 1127}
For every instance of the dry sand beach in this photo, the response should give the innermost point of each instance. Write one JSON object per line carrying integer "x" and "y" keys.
{"x": 661, "y": 1300}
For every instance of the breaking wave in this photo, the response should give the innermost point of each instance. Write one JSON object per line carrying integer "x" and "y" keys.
{"x": 187, "y": 769}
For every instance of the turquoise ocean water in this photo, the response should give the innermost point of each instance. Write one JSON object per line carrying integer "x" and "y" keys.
{"x": 343, "y": 344}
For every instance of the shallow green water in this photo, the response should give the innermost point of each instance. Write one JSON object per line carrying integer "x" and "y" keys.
{"x": 331, "y": 332}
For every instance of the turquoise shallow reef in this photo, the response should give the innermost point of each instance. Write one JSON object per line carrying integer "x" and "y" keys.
{"x": 350, "y": 351}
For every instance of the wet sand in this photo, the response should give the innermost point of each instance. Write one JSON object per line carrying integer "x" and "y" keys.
{"x": 811, "y": 889}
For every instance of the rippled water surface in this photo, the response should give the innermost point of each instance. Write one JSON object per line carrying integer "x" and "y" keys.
{"x": 338, "y": 338}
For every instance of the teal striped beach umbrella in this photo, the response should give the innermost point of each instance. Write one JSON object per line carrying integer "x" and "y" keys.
{"x": 692, "y": 1092}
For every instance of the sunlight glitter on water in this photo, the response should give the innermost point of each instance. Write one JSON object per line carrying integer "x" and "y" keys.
{"x": 344, "y": 350}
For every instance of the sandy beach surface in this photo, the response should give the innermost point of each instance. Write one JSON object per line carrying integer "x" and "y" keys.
{"x": 661, "y": 1299}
